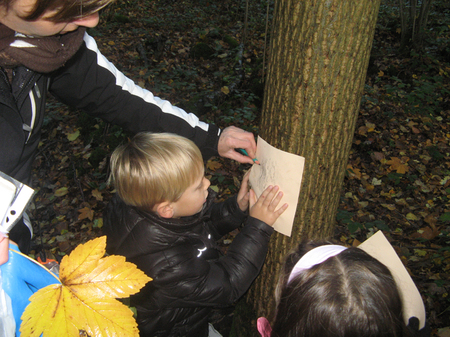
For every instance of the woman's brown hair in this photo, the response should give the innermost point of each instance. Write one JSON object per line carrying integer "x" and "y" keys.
{"x": 61, "y": 11}
{"x": 350, "y": 294}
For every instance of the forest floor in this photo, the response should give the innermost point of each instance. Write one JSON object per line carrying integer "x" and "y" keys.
{"x": 398, "y": 176}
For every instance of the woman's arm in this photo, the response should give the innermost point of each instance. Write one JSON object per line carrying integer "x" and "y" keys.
{"x": 91, "y": 83}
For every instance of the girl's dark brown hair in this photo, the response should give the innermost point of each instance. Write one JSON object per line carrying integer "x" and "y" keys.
{"x": 350, "y": 294}
{"x": 64, "y": 11}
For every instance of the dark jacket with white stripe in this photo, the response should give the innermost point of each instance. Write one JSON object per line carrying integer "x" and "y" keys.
{"x": 190, "y": 275}
{"x": 91, "y": 83}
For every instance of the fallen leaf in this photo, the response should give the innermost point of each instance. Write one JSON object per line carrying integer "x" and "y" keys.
{"x": 370, "y": 127}
{"x": 370, "y": 187}
{"x": 420, "y": 252}
{"x": 73, "y": 136}
{"x": 403, "y": 129}
{"x": 362, "y": 130}
{"x": 445, "y": 180}
{"x": 424, "y": 188}
{"x": 363, "y": 204}
{"x": 398, "y": 164}
{"x": 64, "y": 246}
{"x": 86, "y": 298}
{"x": 376, "y": 182}
{"x": 61, "y": 192}
{"x": 389, "y": 206}
{"x": 401, "y": 202}
{"x": 427, "y": 233}
{"x": 98, "y": 223}
{"x": 353, "y": 172}
{"x": 97, "y": 195}
{"x": 431, "y": 220}
{"x": 213, "y": 165}
{"x": 86, "y": 212}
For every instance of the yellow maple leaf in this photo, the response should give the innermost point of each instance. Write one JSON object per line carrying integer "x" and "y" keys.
{"x": 86, "y": 298}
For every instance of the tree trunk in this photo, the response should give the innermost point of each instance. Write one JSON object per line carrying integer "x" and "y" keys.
{"x": 413, "y": 24}
{"x": 317, "y": 67}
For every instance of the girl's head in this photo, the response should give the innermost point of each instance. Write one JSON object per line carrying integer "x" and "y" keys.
{"x": 155, "y": 167}
{"x": 348, "y": 294}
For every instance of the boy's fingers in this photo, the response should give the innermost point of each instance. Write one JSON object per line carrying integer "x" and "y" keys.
{"x": 271, "y": 195}
{"x": 264, "y": 195}
{"x": 277, "y": 199}
{"x": 281, "y": 209}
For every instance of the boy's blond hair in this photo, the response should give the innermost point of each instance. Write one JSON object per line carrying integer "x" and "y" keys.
{"x": 155, "y": 167}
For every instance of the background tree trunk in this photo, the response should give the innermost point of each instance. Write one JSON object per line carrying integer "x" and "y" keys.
{"x": 414, "y": 19}
{"x": 317, "y": 67}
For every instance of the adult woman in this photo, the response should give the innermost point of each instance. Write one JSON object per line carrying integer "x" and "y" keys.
{"x": 44, "y": 48}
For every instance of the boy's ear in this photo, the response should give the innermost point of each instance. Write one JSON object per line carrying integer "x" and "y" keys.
{"x": 164, "y": 209}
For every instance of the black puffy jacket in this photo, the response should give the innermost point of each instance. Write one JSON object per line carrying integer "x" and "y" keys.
{"x": 190, "y": 275}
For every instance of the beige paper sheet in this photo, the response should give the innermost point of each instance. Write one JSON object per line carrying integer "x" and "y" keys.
{"x": 280, "y": 168}
{"x": 379, "y": 247}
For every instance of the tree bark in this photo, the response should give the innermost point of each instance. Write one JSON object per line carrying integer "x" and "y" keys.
{"x": 318, "y": 61}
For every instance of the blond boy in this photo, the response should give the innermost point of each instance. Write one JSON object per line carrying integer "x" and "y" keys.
{"x": 164, "y": 219}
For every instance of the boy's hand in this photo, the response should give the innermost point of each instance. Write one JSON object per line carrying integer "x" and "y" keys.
{"x": 264, "y": 208}
{"x": 244, "y": 195}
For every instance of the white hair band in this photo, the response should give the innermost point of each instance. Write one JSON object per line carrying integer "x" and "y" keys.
{"x": 314, "y": 257}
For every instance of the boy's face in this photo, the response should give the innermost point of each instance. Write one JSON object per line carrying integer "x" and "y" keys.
{"x": 40, "y": 27}
{"x": 192, "y": 200}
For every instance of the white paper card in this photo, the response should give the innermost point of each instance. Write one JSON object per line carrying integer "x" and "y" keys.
{"x": 379, "y": 247}
{"x": 280, "y": 168}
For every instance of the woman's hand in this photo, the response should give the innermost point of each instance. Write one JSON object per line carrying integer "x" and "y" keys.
{"x": 244, "y": 195}
{"x": 264, "y": 208}
{"x": 233, "y": 138}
